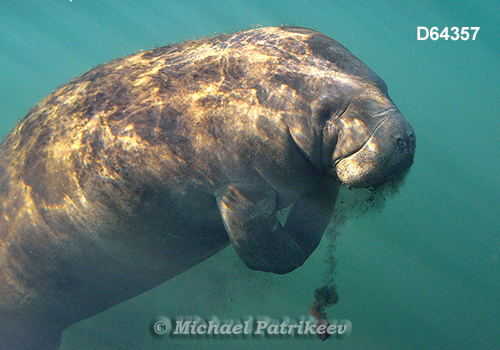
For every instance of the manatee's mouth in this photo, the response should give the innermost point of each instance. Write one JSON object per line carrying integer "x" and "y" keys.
{"x": 353, "y": 201}
{"x": 387, "y": 152}
{"x": 335, "y": 162}
{"x": 379, "y": 124}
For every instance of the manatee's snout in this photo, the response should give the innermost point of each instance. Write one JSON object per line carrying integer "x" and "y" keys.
{"x": 388, "y": 152}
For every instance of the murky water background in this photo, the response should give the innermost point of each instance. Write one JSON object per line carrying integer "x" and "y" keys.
{"x": 423, "y": 274}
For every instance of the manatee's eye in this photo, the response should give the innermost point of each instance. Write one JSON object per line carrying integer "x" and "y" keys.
{"x": 400, "y": 143}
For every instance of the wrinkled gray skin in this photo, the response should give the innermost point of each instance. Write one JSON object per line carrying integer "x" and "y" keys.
{"x": 144, "y": 167}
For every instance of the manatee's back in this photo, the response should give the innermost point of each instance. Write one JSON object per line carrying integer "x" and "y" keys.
{"x": 78, "y": 166}
{"x": 84, "y": 160}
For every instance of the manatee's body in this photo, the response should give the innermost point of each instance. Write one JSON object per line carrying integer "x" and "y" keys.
{"x": 142, "y": 168}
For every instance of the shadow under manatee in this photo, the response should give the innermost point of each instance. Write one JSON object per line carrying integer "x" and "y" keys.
{"x": 221, "y": 286}
{"x": 225, "y": 287}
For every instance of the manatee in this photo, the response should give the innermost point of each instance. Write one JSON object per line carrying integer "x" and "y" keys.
{"x": 143, "y": 167}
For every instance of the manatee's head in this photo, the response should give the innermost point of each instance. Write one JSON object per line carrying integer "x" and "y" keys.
{"x": 374, "y": 143}
{"x": 365, "y": 140}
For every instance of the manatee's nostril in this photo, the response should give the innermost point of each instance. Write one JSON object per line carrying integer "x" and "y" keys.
{"x": 412, "y": 141}
{"x": 400, "y": 143}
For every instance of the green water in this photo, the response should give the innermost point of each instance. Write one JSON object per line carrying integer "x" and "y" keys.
{"x": 423, "y": 274}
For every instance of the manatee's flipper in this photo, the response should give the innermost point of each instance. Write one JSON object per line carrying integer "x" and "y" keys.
{"x": 259, "y": 239}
